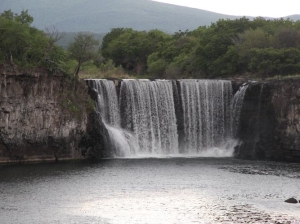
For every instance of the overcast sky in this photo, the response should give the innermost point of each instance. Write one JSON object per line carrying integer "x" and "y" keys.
{"x": 266, "y": 8}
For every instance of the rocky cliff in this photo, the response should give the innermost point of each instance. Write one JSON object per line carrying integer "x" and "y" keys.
{"x": 43, "y": 119}
{"x": 40, "y": 116}
{"x": 270, "y": 121}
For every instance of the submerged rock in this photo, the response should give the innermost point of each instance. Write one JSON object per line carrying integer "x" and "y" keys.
{"x": 291, "y": 200}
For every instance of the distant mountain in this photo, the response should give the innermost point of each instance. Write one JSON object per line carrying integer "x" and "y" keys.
{"x": 68, "y": 37}
{"x": 293, "y": 17}
{"x": 100, "y": 16}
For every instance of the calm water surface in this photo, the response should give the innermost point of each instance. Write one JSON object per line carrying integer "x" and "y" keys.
{"x": 178, "y": 190}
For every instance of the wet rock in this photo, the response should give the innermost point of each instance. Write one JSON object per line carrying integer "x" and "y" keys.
{"x": 270, "y": 121}
{"x": 291, "y": 200}
{"x": 298, "y": 94}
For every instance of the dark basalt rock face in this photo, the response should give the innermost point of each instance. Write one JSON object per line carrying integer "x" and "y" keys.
{"x": 37, "y": 122}
{"x": 178, "y": 112}
{"x": 270, "y": 121}
{"x": 96, "y": 142}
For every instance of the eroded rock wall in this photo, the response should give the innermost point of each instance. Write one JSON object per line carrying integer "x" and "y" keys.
{"x": 270, "y": 121}
{"x": 37, "y": 119}
{"x": 286, "y": 103}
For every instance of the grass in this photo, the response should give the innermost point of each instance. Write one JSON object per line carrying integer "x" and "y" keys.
{"x": 279, "y": 77}
{"x": 108, "y": 70}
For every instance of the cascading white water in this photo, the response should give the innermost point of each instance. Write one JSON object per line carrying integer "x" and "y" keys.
{"x": 107, "y": 102}
{"x": 142, "y": 121}
{"x": 147, "y": 109}
{"x": 108, "y": 106}
{"x": 236, "y": 107}
{"x": 206, "y": 114}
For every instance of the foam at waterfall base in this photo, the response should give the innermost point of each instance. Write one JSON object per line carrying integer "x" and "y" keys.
{"x": 226, "y": 150}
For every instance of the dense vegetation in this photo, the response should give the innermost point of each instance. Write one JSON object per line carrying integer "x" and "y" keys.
{"x": 240, "y": 47}
{"x": 24, "y": 45}
{"x": 226, "y": 48}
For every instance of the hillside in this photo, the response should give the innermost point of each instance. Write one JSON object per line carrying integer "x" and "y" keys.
{"x": 100, "y": 16}
{"x": 293, "y": 17}
{"x": 68, "y": 37}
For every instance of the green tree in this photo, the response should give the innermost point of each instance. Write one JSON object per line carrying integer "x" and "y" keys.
{"x": 19, "y": 42}
{"x": 83, "y": 49}
{"x": 228, "y": 47}
{"x": 288, "y": 37}
{"x": 111, "y": 36}
{"x": 24, "y": 45}
{"x": 23, "y": 17}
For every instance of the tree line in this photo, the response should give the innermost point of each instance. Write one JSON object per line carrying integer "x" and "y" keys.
{"x": 241, "y": 47}
{"x": 26, "y": 46}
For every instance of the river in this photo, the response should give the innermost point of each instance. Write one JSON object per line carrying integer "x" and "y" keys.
{"x": 157, "y": 190}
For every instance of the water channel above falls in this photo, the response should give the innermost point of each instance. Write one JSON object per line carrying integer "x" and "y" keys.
{"x": 176, "y": 190}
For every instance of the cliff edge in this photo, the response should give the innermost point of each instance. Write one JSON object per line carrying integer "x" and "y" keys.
{"x": 270, "y": 121}
{"x": 41, "y": 118}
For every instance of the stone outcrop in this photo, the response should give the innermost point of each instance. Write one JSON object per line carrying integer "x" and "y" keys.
{"x": 270, "y": 121}
{"x": 40, "y": 117}
{"x": 291, "y": 200}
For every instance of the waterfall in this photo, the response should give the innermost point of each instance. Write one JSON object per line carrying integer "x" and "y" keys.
{"x": 147, "y": 110}
{"x": 167, "y": 118}
{"x": 108, "y": 107}
{"x": 206, "y": 114}
{"x": 236, "y": 107}
{"x": 107, "y": 102}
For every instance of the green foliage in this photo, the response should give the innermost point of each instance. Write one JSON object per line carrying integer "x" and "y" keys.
{"x": 156, "y": 65}
{"x": 105, "y": 69}
{"x": 83, "y": 49}
{"x": 270, "y": 62}
{"x": 68, "y": 37}
{"x": 130, "y": 48}
{"x": 24, "y": 45}
{"x": 76, "y": 103}
{"x": 22, "y": 18}
{"x": 260, "y": 48}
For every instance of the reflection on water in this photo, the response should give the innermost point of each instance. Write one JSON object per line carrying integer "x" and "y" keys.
{"x": 178, "y": 190}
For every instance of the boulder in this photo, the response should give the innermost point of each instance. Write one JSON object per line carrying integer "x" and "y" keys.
{"x": 291, "y": 200}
